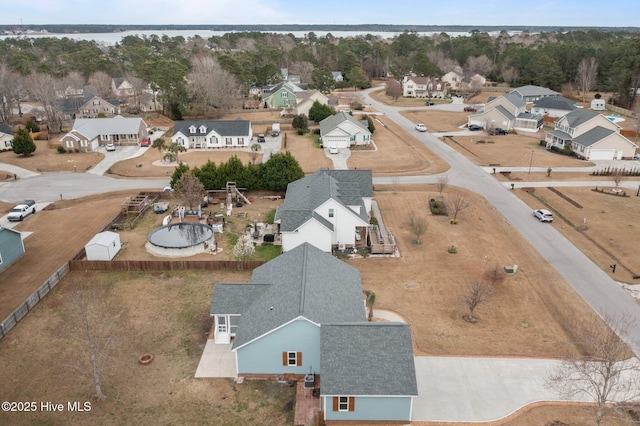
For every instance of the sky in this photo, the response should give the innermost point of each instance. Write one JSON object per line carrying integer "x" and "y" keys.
{"x": 565, "y": 13}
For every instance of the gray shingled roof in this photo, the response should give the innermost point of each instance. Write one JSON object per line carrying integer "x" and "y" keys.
{"x": 235, "y": 298}
{"x": 579, "y": 116}
{"x": 347, "y": 187}
{"x": 305, "y": 282}
{"x": 236, "y": 127}
{"x": 505, "y": 112}
{"x": 515, "y": 99}
{"x": 72, "y": 105}
{"x": 6, "y": 129}
{"x": 92, "y": 127}
{"x": 556, "y": 102}
{"x": 531, "y": 90}
{"x": 333, "y": 121}
{"x": 367, "y": 359}
{"x": 592, "y": 136}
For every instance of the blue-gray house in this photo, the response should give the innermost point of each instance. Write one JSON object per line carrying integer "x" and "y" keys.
{"x": 303, "y": 312}
{"x": 11, "y": 246}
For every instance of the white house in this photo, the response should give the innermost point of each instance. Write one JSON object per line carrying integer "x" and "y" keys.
{"x": 556, "y": 106}
{"x": 6, "y": 136}
{"x": 305, "y": 101}
{"x": 337, "y": 76}
{"x": 213, "y": 134}
{"x": 330, "y": 208}
{"x": 508, "y": 111}
{"x": 342, "y": 130}
{"x": 103, "y": 246}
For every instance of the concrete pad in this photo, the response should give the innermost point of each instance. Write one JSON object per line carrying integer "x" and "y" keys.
{"x": 217, "y": 361}
{"x": 479, "y": 389}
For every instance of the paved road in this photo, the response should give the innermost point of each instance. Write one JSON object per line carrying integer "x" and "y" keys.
{"x": 601, "y": 293}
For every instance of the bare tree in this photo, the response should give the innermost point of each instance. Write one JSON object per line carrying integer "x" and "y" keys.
{"x": 393, "y": 88}
{"x": 93, "y": 319}
{"x": 73, "y": 84}
{"x": 495, "y": 275}
{"x": 255, "y": 151}
{"x": 189, "y": 190}
{"x": 8, "y": 80}
{"x": 587, "y": 76}
{"x": 456, "y": 203}
{"x": 480, "y": 64}
{"x": 100, "y": 83}
{"x": 617, "y": 176}
{"x": 303, "y": 69}
{"x": 213, "y": 89}
{"x": 604, "y": 372}
{"x": 42, "y": 89}
{"x": 476, "y": 293}
{"x": 139, "y": 86}
{"x": 510, "y": 74}
{"x": 417, "y": 225}
{"x": 442, "y": 183}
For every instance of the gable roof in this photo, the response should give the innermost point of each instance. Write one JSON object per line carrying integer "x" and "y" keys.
{"x": 92, "y": 127}
{"x": 270, "y": 89}
{"x": 593, "y": 136}
{"x": 105, "y": 239}
{"x": 367, "y": 358}
{"x": 347, "y": 187}
{"x": 235, "y": 298}
{"x": 334, "y": 121}
{"x": 556, "y": 102}
{"x": 6, "y": 129}
{"x": 71, "y": 105}
{"x": 578, "y": 117}
{"x": 305, "y": 282}
{"x": 531, "y": 90}
{"x": 237, "y": 127}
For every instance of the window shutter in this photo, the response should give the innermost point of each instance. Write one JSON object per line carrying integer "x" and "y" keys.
{"x": 299, "y": 359}
{"x": 352, "y": 403}
{"x": 284, "y": 358}
{"x": 335, "y": 403}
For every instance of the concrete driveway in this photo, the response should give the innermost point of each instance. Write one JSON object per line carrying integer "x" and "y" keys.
{"x": 461, "y": 389}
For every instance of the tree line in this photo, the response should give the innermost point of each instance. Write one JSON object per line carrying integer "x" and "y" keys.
{"x": 206, "y": 77}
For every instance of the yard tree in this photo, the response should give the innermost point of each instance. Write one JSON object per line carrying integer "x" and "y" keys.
{"x": 370, "y": 298}
{"x": 189, "y": 190}
{"x": 174, "y": 149}
{"x": 587, "y": 76}
{"x": 300, "y": 122}
{"x": 476, "y": 293}
{"x": 100, "y": 83}
{"x": 393, "y": 89}
{"x": 280, "y": 170}
{"x": 456, "y": 203}
{"x": 93, "y": 320}
{"x": 244, "y": 248}
{"x": 159, "y": 144}
{"x": 22, "y": 143}
{"x": 417, "y": 226}
{"x": 255, "y": 151}
{"x": 319, "y": 112}
{"x": 604, "y": 371}
{"x": 442, "y": 183}
{"x": 42, "y": 89}
{"x": 212, "y": 89}
{"x": 370, "y": 125}
{"x": 323, "y": 80}
{"x": 616, "y": 176}
{"x": 180, "y": 170}
{"x": 357, "y": 79}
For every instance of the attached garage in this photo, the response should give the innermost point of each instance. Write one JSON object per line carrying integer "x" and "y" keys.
{"x": 602, "y": 154}
{"x": 103, "y": 246}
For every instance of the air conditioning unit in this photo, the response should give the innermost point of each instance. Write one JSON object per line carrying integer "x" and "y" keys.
{"x": 341, "y": 247}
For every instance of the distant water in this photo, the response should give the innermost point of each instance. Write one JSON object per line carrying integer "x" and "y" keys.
{"x": 113, "y": 38}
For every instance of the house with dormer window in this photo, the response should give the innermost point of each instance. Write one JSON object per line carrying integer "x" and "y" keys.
{"x": 423, "y": 87}
{"x": 213, "y": 134}
{"x": 591, "y": 136}
{"x": 281, "y": 95}
{"x": 89, "y": 106}
{"x": 508, "y": 111}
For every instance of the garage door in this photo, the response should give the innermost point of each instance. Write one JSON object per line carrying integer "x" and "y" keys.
{"x": 338, "y": 142}
{"x": 602, "y": 154}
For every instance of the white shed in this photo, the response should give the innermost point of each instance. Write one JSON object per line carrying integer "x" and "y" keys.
{"x": 103, "y": 246}
{"x": 598, "y": 105}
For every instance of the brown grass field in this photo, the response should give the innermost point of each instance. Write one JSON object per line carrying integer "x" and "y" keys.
{"x": 47, "y": 159}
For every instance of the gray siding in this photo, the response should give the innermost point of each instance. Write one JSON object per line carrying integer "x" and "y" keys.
{"x": 372, "y": 408}
{"x": 264, "y": 355}
{"x": 11, "y": 247}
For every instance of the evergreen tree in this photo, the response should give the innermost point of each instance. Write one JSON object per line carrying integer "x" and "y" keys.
{"x": 22, "y": 143}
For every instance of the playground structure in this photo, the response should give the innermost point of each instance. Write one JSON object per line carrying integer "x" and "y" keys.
{"x": 234, "y": 192}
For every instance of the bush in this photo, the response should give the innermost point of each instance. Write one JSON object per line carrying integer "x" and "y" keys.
{"x": 438, "y": 208}
{"x": 316, "y": 131}
{"x": 61, "y": 149}
{"x": 300, "y": 132}
{"x": 32, "y": 126}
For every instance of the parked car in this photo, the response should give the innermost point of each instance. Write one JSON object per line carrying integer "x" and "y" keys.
{"x": 146, "y": 141}
{"x": 543, "y": 215}
{"x": 469, "y": 109}
{"x": 429, "y": 103}
{"x": 111, "y": 147}
{"x": 333, "y": 150}
{"x": 421, "y": 127}
{"x": 636, "y": 157}
{"x": 500, "y": 131}
{"x": 474, "y": 127}
{"x": 261, "y": 138}
{"x": 19, "y": 212}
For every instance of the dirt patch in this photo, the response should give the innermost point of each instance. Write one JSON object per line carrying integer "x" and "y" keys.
{"x": 609, "y": 229}
{"x": 47, "y": 159}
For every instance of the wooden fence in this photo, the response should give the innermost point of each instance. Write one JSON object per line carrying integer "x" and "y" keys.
{"x": 163, "y": 265}
{"x": 32, "y": 300}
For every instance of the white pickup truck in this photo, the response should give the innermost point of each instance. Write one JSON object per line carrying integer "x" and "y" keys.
{"x": 22, "y": 210}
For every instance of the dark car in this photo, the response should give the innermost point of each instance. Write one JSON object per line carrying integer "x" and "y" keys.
{"x": 474, "y": 127}
{"x": 261, "y": 138}
{"x": 469, "y": 109}
{"x": 429, "y": 103}
{"x": 500, "y": 131}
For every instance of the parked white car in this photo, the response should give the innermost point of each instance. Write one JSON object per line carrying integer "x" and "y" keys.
{"x": 421, "y": 127}
{"x": 333, "y": 150}
{"x": 19, "y": 212}
{"x": 543, "y": 215}
{"x": 111, "y": 147}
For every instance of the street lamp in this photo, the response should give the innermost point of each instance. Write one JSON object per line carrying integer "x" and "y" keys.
{"x": 531, "y": 162}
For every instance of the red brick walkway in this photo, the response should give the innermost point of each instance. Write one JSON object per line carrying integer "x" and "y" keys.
{"x": 307, "y": 406}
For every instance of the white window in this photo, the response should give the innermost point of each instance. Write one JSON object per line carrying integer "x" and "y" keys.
{"x": 330, "y": 212}
{"x": 83, "y": 143}
{"x": 240, "y": 141}
{"x": 228, "y": 141}
{"x": 285, "y": 94}
{"x": 192, "y": 129}
{"x": 69, "y": 144}
{"x": 203, "y": 129}
{"x": 292, "y": 358}
{"x": 214, "y": 140}
{"x": 343, "y": 403}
